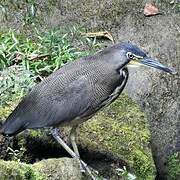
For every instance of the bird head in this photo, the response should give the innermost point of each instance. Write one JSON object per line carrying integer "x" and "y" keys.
{"x": 135, "y": 57}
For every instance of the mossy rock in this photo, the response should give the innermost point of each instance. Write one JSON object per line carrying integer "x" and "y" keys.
{"x": 62, "y": 168}
{"x": 173, "y": 164}
{"x": 120, "y": 132}
{"x": 21, "y": 171}
{"x": 8, "y": 108}
{"x": 51, "y": 169}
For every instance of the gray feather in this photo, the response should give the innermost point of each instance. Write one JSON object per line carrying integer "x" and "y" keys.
{"x": 77, "y": 90}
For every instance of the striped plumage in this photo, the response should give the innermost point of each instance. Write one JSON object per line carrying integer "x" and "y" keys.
{"x": 73, "y": 93}
{"x": 76, "y": 92}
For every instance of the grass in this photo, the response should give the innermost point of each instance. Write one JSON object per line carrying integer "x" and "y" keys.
{"x": 15, "y": 81}
{"x": 23, "y": 59}
{"x": 47, "y": 53}
{"x": 173, "y": 164}
{"x": 43, "y": 54}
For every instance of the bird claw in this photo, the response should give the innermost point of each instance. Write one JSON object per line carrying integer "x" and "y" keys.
{"x": 91, "y": 172}
{"x": 85, "y": 168}
{"x": 82, "y": 169}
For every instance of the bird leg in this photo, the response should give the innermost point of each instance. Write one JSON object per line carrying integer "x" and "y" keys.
{"x": 73, "y": 142}
{"x": 56, "y": 134}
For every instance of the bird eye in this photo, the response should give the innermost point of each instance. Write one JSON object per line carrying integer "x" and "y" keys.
{"x": 130, "y": 55}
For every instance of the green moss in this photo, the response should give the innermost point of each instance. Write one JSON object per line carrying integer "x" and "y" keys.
{"x": 63, "y": 168}
{"x": 9, "y": 107}
{"x": 173, "y": 166}
{"x": 121, "y": 131}
{"x": 20, "y": 171}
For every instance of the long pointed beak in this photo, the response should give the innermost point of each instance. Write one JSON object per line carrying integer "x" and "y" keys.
{"x": 153, "y": 63}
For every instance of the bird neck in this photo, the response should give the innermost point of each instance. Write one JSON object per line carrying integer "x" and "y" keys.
{"x": 113, "y": 58}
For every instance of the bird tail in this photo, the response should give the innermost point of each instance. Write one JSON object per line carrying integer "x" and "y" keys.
{"x": 19, "y": 119}
{"x": 13, "y": 124}
{"x": 9, "y": 129}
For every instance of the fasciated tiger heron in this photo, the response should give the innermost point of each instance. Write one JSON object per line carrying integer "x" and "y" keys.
{"x": 75, "y": 92}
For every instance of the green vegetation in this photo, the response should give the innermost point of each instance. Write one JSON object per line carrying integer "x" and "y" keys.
{"x": 15, "y": 82}
{"x": 120, "y": 130}
{"x": 44, "y": 53}
{"x": 64, "y": 168}
{"x": 23, "y": 61}
{"x": 176, "y": 5}
{"x": 16, "y": 170}
{"x": 47, "y": 53}
{"x": 125, "y": 174}
{"x": 16, "y": 155}
{"x": 37, "y": 56}
{"x": 173, "y": 166}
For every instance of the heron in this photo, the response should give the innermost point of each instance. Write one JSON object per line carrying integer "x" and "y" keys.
{"x": 76, "y": 92}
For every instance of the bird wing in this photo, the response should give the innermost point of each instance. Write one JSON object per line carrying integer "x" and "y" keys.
{"x": 73, "y": 101}
{"x": 62, "y": 98}
{"x": 51, "y": 109}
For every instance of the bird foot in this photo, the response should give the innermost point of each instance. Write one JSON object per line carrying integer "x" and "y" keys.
{"x": 84, "y": 168}
{"x": 56, "y": 134}
{"x": 94, "y": 174}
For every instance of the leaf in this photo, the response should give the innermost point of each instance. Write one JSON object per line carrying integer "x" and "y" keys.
{"x": 151, "y": 10}
{"x": 105, "y": 34}
{"x": 34, "y": 57}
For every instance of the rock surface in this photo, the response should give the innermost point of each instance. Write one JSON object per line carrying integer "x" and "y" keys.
{"x": 120, "y": 132}
{"x": 51, "y": 169}
{"x": 117, "y": 136}
{"x": 57, "y": 169}
{"x": 157, "y": 93}
{"x": 16, "y": 170}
